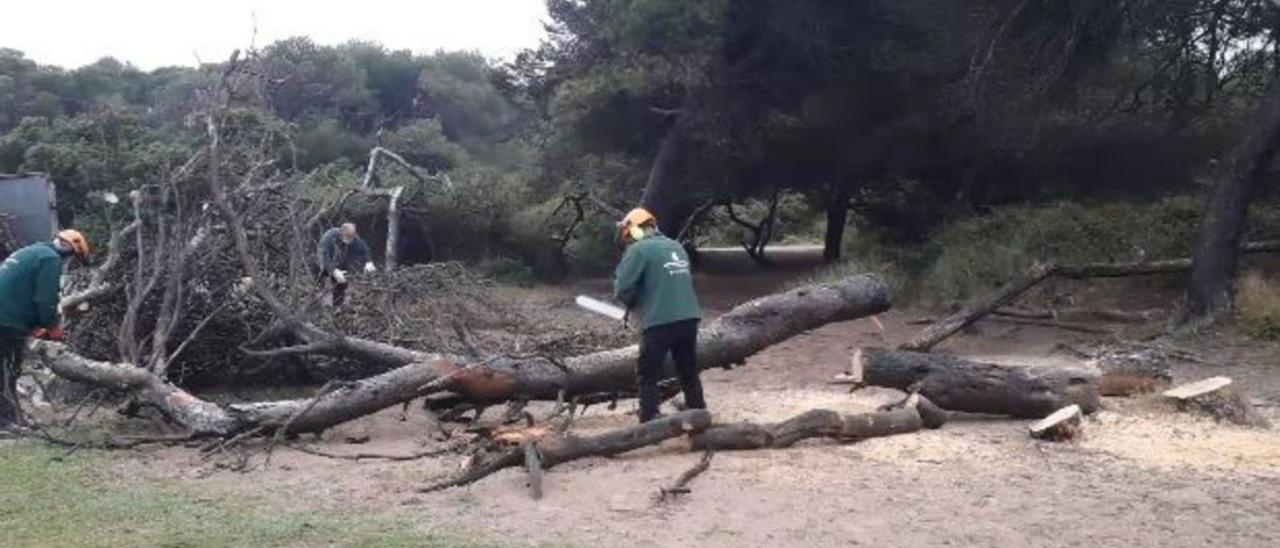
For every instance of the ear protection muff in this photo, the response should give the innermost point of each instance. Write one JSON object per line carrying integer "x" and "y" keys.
{"x": 636, "y": 233}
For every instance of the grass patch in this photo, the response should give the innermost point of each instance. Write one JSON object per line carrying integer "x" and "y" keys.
{"x": 76, "y": 503}
{"x": 1258, "y": 306}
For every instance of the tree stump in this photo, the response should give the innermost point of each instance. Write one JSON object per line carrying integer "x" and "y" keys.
{"x": 1218, "y": 397}
{"x": 1062, "y": 425}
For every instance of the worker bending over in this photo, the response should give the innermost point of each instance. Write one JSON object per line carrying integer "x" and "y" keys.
{"x": 30, "y": 287}
{"x": 655, "y": 282}
{"x": 342, "y": 250}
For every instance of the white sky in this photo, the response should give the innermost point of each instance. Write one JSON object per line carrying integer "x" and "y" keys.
{"x": 154, "y": 33}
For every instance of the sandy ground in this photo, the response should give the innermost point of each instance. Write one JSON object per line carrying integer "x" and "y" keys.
{"x": 1144, "y": 475}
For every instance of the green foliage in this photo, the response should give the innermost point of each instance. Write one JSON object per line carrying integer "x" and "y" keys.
{"x": 506, "y": 270}
{"x": 107, "y": 149}
{"x": 423, "y": 143}
{"x": 973, "y": 256}
{"x": 472, "y": 219}
{"x": 798, "y": 222}
{"x": 1257, "y": 303}
{"x": 327, "y": 141}
{"x": 80, "y": 502}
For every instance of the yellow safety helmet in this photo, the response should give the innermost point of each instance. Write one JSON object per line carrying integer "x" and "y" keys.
{"x": 631, "y": 224}
{"x": 79, "y": 244}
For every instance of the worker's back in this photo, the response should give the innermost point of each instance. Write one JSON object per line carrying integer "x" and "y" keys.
{"x": 664, "y": 293}
{"x": 25, "y": 280}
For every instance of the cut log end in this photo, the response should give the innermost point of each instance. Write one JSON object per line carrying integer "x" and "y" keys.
{"x": 1220, "y": 398}
{"x": 1062, "y": 425}
{"x": 1123, "y": 385}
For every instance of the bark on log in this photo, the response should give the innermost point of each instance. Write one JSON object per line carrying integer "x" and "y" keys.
{"x": 1220, "y": 398}
{"x": 816, "y": 423}
{"x": 697, "y": 423}
{"x": 962, "y": 385}
{"x": 554, "y": 451}
{"x": 728, "y": 340}
{"x": 1063, "y": 425}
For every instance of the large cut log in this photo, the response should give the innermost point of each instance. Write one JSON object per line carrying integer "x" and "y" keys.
{"x": 962, "y": 385}
{"x": 728, "y": 340}
{"x": 1220, "y": 398}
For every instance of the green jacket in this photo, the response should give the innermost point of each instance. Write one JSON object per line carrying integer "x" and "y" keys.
{"x": 654, "y": 280}
{"x": 29, "y": 288}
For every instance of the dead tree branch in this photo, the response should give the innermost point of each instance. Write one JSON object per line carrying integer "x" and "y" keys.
{"x": 929, "y": 337}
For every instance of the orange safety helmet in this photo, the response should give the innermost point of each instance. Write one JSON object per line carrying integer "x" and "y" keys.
{"x": 79, "y": 244}
{"x": 634, "y": 219}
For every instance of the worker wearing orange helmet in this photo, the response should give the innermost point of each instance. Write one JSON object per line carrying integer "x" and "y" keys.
{"x": 30, "y": 283}
{"x": 655, "y": 282}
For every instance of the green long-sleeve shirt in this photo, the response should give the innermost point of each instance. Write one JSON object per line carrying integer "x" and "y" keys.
{"x": 29, "y": 288}
{"x": 654, "y": 280}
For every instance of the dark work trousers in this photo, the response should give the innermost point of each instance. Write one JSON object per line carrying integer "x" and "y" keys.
{"x": 680, "y": 339}
{"x": 339, "y": 290}
{"x": 11, "y": 349}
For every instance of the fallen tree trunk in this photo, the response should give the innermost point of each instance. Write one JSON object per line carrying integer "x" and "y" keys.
{"x": 728, "y": 340}
{"x": 962, "y": 385}
{"x": 817, "y": 423}
{"x": 553, "y": 450}
{"x": 940, "y": 330}
{"x": 559, "y": 450}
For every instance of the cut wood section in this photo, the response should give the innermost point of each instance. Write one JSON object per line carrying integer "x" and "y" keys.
{"x": 1221, "y": 398}
{"x": 1062, "y": 425}
{"x": 961, "y": 385}
{"x": 1124, "y": 385}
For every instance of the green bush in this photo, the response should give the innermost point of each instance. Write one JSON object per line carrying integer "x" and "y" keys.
{"x": 506, "y": 270}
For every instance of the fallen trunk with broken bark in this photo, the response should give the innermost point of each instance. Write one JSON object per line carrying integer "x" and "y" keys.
{"x": 817, "y": 423}
{"x": 962, "y": 385}
{"x": 728, "y": 340}
{"x": 553, "y": 448}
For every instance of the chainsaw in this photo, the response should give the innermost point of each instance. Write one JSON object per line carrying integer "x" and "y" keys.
{"x": 601, "y": 307}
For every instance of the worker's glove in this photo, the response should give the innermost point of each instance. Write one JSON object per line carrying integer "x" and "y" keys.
{"x": 340, "y": 277}
{"x": 368, "y": 267}
{"x": 54, "y": 334}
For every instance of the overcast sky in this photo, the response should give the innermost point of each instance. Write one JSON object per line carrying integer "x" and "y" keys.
{"x": 154, "y": 33}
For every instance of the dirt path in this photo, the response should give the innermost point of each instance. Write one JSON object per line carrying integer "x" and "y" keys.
{"x": 1143, "y": 475}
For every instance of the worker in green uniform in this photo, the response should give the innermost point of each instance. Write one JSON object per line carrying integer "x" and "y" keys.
{"x": 655, "y": 283}
{"x": 30, "y": 281}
